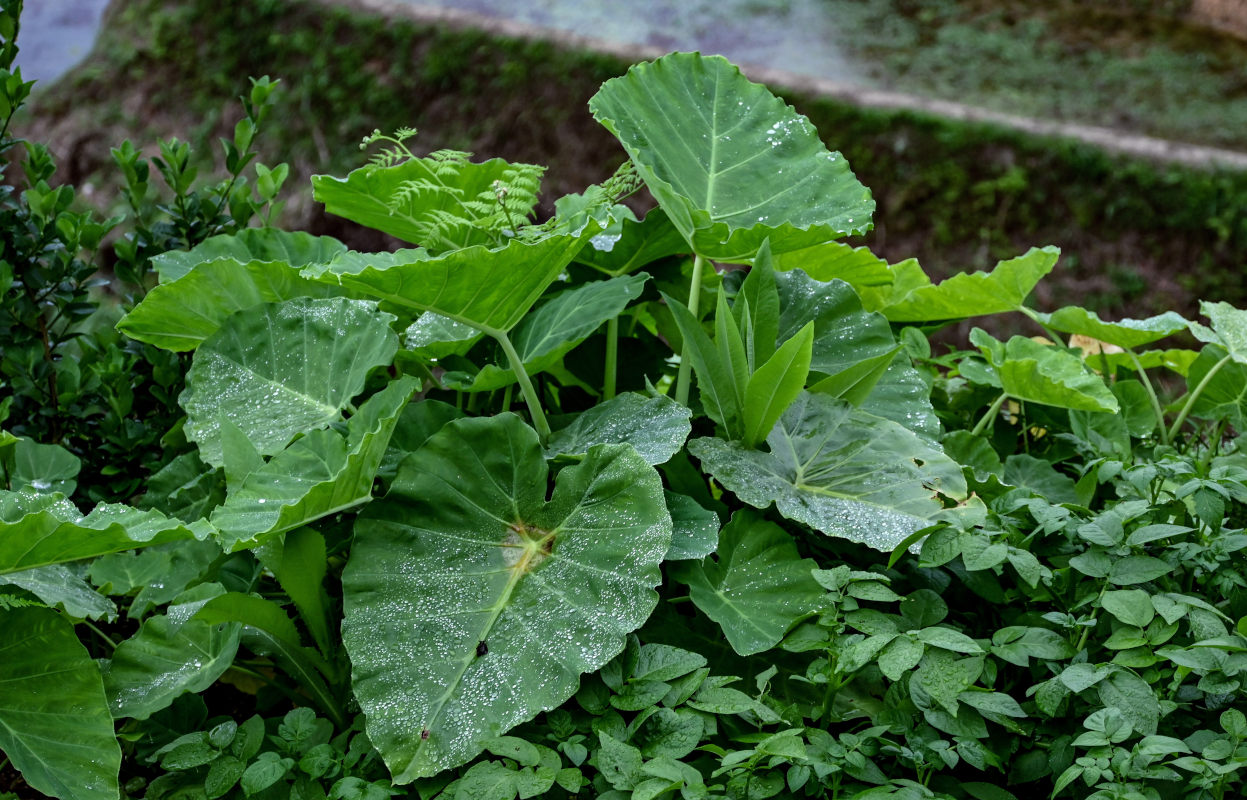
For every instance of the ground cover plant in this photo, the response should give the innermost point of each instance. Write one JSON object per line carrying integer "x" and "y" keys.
{"x": 682, "y": 505}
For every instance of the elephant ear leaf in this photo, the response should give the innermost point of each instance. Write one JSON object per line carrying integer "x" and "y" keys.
{"x": 472, "y": 603}
{"x": 279, "y": 369}
{"x": 841, "y": 471}
{"x": 735, "y": 165}
{"x": 55, "y": 725}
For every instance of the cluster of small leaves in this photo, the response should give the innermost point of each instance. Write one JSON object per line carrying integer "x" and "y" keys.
{"x": 298, "y": 756}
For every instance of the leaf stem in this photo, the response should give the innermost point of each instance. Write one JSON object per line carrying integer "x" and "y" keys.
{"x": 612, "y": 358}
{"x": 686, "y": 363}
{"x": 107, "y": 639}
{"x": 990, "y": 415}
{"x": 526, "y": 386}
{"x": 1053, "y": 335}
{"x": 1193, "y": 395}
{"x": 1151, "y": 393}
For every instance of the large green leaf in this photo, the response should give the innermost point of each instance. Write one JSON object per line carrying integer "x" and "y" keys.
{"x": 248, "y": 245}
{"x": 730, "y": 163}
{"x": 841, "y": 471}
{"x": 903, "y": 395}
{"x": 374, "y": 196}
{"x": 279, "y": 369}
{"x": 320, "y": 474}
{"x": 758, "y": 586}
{"x": 845, "y": 335}
{"x": 54, "y": 720}
{"x": 1129, "y": 333}
{"x": 973, "y": 294}
{"x": 1044, "y": 374}
{"x": 38, "y": 530}
{"x": 870, "y": 276}
{"x": 630, "y": 244}
{"x": 472, "y": 602}
{"x": 170, "y": 655}
{"x": 656, "y": 427}
{"x": 491, "y": 290}
{"x": 552, "y": 329}
{"x": 1229, "y": 329}
{"x": 1225, "y": 394}
{"x": 181, "y": 314}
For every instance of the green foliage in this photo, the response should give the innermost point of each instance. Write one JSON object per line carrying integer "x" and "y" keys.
{"x": 849, "y": 567}
{"x": 67, "y": 378}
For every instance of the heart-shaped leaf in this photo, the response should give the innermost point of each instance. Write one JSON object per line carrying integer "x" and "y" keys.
{"x": 54, "y": 720}
{"x": 320, "y": 474}
{"x": 656, "y": 427}
{"x": 473, "y": 602}
{"x": 841, "y": 471}
{"x": 730, "y": 163}
{"x": 757, "y": 587}
{"x": 1128, "y": 333}
{"x": 630, "y": 244}
{"x": 1038, "y": 373}
{"x": 279, "y": 369}
{"x": 442, "y": 202}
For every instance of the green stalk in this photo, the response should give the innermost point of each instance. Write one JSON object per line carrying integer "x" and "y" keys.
{"x": 1151, "y": 393}
{"x": 1193, "y": 395}
{"x": 990, "y": 415}
{"x": 686, "y": 363}
{"x": 1053, "y": 335}
{"x": 526, "y": 386}
{"x": 612, "y": 358}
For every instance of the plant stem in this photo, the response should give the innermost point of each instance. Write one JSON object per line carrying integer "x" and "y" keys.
{"x": 1151, "y": 393}
{"x": 111, "y": 644}
{"x": 686, "y": 364}
{"x": 990, "y": 415}
{"x": 1193, "y": 395}
{"x": 1053, "y": 335}
{"x": 612, "y": 358}
{"x": 526, "y": 386}
{"x": 506, "y": 397}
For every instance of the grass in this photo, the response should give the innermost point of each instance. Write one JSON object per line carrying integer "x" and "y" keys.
{"x": 1133, "y": 65}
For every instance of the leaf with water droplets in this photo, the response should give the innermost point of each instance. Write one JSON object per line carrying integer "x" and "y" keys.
{"x": 60, "y": 587}
{"x": 630, "y": 244}
{"x": 758, "y": 586}
{"x": 730, "y": 163}
{"x": 694, "y": 529}
{"x": 656, "y": 427}
{"x": 248, "y": 245}
{"x": 43, "y": 468}
{"x": 320, "y": 474}
{"x": 466, "y": 549}
{"x": 1229, "y": 329}
{"x": 841, "y": 471}
{"x": 54, "y": 720}
{"x": 38, "y": 530}
{"x": 166, "y": 658}
{"x": 279, "y": 369}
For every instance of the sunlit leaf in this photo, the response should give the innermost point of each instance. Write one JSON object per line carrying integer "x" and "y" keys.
{"x": 730, "y": 163}
{"x": 1039, "y": 373}
{"x": 974, "y": 294}
{"x": 279, "y": 369}
{"x": 249, "y": 245}
{"x": 1129, "y": 333}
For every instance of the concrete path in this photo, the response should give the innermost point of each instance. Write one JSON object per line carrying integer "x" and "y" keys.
{"x": 1109, "y": 139}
